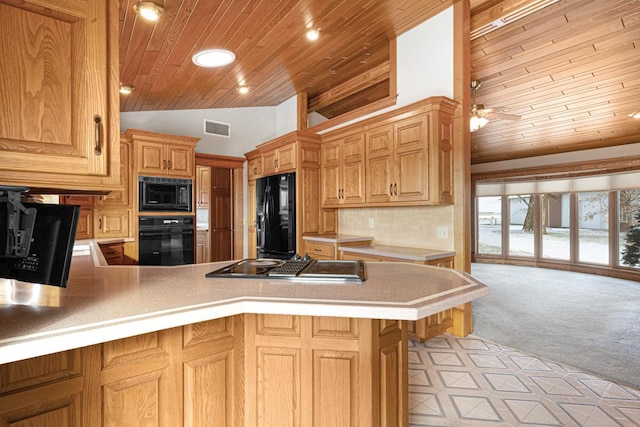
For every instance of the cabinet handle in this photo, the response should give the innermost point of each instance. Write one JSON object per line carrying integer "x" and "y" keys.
{"x": 391, "y": 189}
{"x": 169, "y": 164}
{"x": 98, "y": 149}
{"x": 164, "y": 164}
{"x": 100, "y": 224}
{"x": 395, "y": 189}
{"x": 317, "y": 250}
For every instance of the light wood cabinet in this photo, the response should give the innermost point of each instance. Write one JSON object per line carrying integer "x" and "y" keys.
{"x": 279, "y": 160}
{"x": 343, "y": 171}
{"x": 408, "y": 158}
{"x": 203, "y": 186}
{"x": 191, "y": 375}
{"x": 155, "y": 158}
{"x": 202, "y": 246}
{"x": 121, "y": 197}
{"x": 111, "y": 223}
{"x": 397, "y": 162}
{"x": 320, "y": 250}
{"x": 254, "y": 165}
{"x": 59, "y": 117}
{"x": 325, "y": 371}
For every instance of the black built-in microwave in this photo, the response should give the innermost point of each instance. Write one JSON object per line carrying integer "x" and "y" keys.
{"x": 164, "y": 194}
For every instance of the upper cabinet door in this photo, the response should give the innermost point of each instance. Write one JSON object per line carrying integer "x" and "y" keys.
{"x": 58, "y": 111}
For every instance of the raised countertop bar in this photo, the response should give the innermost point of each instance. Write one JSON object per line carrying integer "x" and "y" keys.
{"x": 410, "y": 254}
{"x": 104, "y": 303}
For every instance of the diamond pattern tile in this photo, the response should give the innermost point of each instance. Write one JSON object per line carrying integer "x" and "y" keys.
{"x": 469, "y": 382}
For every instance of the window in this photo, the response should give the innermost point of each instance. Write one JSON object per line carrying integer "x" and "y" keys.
{"x": 593, "y": 227}
{"x": 555, "y": 226}
{"x": 521, "y": 225}
{"x": 629, "y": 228}
{"x": 489, "y": 220}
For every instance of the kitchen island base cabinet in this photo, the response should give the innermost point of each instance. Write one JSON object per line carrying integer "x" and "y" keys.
{"x": 267, "y": 370}
{"x": 189, "y": 375}
{"x": 325, "y": 371}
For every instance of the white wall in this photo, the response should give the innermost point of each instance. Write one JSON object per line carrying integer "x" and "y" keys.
{"x": 287, "y": 116}
{"x": 249, "y": 127}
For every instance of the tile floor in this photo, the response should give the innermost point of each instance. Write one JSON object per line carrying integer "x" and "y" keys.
{"x": 470, "y": 382}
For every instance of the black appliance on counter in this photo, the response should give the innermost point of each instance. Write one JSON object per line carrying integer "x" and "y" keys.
{"x": 276, "y": 216}
{"x": 164, "y": 194}
{"x": 36, "y": 239}
{"x": 166, "y": 240}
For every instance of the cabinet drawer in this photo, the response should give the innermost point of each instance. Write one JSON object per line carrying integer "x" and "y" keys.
{"x": 320, "y": 250}
{"x": 113, "y": 253}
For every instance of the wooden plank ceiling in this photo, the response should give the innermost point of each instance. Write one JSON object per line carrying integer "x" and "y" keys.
{"x": 570, "y": 68}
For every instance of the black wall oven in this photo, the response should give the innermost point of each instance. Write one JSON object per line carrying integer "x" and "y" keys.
{"x": 164, "y": 194}
{"x": 166, "y": 240}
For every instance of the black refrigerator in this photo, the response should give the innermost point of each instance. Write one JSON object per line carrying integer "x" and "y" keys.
{"x": 276, "y": 216}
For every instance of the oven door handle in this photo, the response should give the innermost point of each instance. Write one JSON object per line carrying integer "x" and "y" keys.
{"x": 163, "y": 233}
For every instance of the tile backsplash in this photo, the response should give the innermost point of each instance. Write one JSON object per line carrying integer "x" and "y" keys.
{"x": 412, "y": 226}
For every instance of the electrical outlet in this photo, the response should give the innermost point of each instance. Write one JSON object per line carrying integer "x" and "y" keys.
{"x": 443, "y": 233}
{"x": 370, "y": 222}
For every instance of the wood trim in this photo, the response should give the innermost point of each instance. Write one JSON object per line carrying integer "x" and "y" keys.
{"x": 219, "y": 161}
{"x": 563, "y": 170}
{"x": 348, "y": 88}
{"x": 462, "y": 136}
{"x": 372, "y": 107}
{"x": 303, "y": 112}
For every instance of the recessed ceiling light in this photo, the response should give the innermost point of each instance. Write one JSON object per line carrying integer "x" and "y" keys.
{"x": 313, "y": 34}
{"x": 126, "y": 89}
{"x": 148, "y": 10}
{"x": 213, "y": 58}
{"x": 243, "y": 89}
{"x": 635, "y": 115}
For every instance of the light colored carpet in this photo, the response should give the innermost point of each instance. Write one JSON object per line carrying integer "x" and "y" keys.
{"x": 585, "y": 321}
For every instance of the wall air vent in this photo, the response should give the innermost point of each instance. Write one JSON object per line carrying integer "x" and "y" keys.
{"x": 217, "y": 128}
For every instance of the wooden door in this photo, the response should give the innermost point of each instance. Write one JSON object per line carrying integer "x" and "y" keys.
{"x": 203, "y": 186}
{"x": 221, "y": 215}
{"x": 55, "y": 111}
{"x": 180, "y": 160}
{"x": 353, "y": 174}
{"x": 150, "y": 158}
{"x": 331, "y": 173}
{"x": 111, "y": 223}
{"x": 411, "y": 160}
{"x": 119, "y": 198}
{"x": 380, "y": 163}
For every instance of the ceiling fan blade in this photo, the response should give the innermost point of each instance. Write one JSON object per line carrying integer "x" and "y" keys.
{"x": 503, "y": 116}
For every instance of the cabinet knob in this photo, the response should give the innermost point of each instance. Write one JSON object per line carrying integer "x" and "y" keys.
{"x": 98, "y": 148}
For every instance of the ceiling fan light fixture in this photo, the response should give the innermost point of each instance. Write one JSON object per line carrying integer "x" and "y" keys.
{"x": 126, "y": 89}
{"x": 635, "y": 115}
{"x": 477, "y": 122}
{"x": 211, "y": 58}
{"x": 149, "y": 10}
{"x": 243, "y": 90}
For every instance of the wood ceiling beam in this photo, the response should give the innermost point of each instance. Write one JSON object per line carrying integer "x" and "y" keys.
{"x": 348, "y": 88}
{"x": 504, "y": 13}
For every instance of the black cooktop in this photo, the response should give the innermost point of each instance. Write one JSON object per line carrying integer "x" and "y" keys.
{"x": 300, "y": 269}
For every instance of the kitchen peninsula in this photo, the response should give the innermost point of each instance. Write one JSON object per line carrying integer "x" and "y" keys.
{"x": 167, "y": 345}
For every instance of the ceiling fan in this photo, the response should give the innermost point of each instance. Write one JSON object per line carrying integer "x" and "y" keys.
{"x": 480, "y": 116}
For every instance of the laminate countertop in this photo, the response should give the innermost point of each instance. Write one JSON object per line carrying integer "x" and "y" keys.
{"x": 103, "y": 303}
{"x": 400, "y": 252}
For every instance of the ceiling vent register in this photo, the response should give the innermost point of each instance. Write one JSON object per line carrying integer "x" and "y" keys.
{"x": 217, "y": 128}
